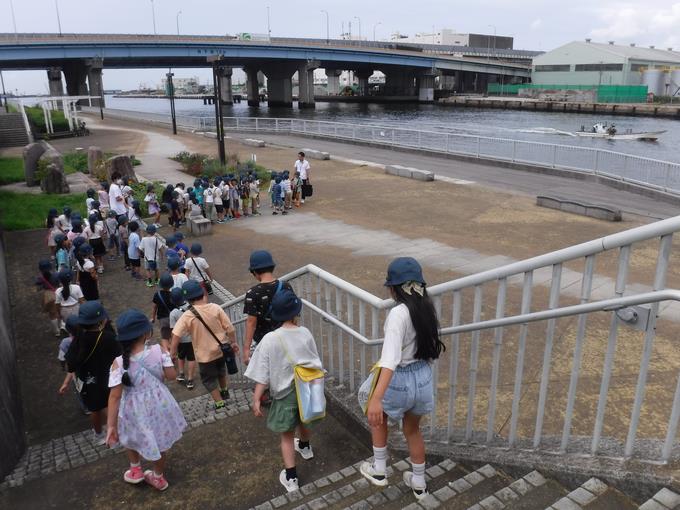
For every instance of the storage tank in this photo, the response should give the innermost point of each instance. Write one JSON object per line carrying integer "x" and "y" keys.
{"x": 674, "y": 89}
{"x": 655, "y": 79}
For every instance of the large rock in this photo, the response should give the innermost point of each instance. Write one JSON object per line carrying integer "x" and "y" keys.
{"x": 122, "y": 165}
{"x": 32, "y": 154}
{"x": 53, "y": 179}
{"x": 94, "y": 156}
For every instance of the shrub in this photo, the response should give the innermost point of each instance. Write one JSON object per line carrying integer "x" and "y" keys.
{"x": 139, "y": 192}
{"x": 75, "y": 162}
{"x": 36, "y": 118}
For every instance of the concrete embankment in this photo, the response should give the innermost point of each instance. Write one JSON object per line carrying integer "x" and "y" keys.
{"x": 512, "y": 103}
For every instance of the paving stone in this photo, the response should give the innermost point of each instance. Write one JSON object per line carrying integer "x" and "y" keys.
{"x": 447, "y": 464}
{"x": 491, "y": 503}
{"x": 595, "y": 486}
{"x": 435, "y": 471}
{"x": 348, "y": 471}
{"x": 413, "y": 506}
{"x": 521, "y": 486}
{"x": 535, "y": 478}
{"x": 392, "y": 492}
{"x": 652, "y": 505}
{"x": 460, "y": 485}
{"x": 308, "y": 489}
{"x": 474, "y": 478}
{"x": 376, "y": 499}
{"x": 332, "y": 497}
{"x": 301, "y": 507}
{"x": 360, "y": 484}
{"x": 402, "y": 465}
{"x": 264, "y": 506}
{"x": 294, "y": 496}
{"x": 279, "y": 501}
{"x": 317, "y": 504}
{"x": 506, "y": 495}
{"x": 667, "y": 498}
{"x": 346, "y": 491}
{"x": 335, "y": 477}
{"x": 581, "y": 496}
{"x": 429, "y": 501}
{"x": 322, "y": 482}
{"x": 487, "y": 470}
{"x": 361, "y": 505}
{"x": 444, "y": 494}
{"x": 566, "y": 504}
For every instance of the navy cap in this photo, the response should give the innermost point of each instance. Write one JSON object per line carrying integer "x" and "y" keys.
{"x": 170, "y": 240}
{"x": 196, "y": 249}
{"x": 91, "y": 312}
{"x": 90, "y": 192}
{"x": 79, "y": 241}
{"x": 67, "y": 210}
{"x": 85, "y": 250}
{"x": 177, "y": 296}
{"x": 71, "y": 324}
{"x": 166, "y": 281}
{"x": 173, "y": 263}
{"x": 192, "y": 290}
{"x": 76, "y": 216}
{"x": 132, "y": 324}
{"x": 285, "y": 305}
{"x": 261, "y": 259}
{"x": 44, "y": 265}
{"x": 59, "y": 238}
{"x": 179, "y": 236}
{"x": 65, "y": 273}
{"x": 151, "y": 229}
{"x": 96, "y": 204}
{"x": 122, "y": 219}
{"x": 111, "y": 214}
{"x": 402, "y": 270}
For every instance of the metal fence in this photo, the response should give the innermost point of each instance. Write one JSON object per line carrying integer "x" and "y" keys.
{"x": 652, "y": 173}
{"x": 486, "y": 391}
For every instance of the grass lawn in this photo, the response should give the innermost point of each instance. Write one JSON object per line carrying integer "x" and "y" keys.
{"x": 22, "y": 211}
{"x": 11, "y": 170}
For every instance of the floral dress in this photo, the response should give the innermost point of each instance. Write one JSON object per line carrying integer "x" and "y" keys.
{"x": 149, "y": 419}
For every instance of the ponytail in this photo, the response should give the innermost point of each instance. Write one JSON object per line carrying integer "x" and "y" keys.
{"x": 92, "y": 221}
{"x": 127, "y": 347}
{"x": 424, "y": 319}
{"x": 65, "y": 279}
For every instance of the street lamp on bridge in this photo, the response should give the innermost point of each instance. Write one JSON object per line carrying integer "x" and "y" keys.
{"x": 56, "y": 6}
{"x": 359, "y": 20}
{"x": 328, "y": 24}
{"x": 177, "y": 20}
{"x": 374, "y": 27}
{"x": 153, "y": 15}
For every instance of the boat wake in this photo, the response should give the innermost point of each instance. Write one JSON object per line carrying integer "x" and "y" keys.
{"x": 545, "y": 131}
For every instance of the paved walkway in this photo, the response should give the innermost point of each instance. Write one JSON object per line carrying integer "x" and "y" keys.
{"x": 312, "y": 229}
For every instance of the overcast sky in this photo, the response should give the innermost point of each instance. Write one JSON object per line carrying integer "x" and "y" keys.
{"x": 535, "y": 24}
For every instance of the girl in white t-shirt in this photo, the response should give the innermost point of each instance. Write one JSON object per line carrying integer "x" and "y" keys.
{"x": 94, "y": 233}
{"x": 196, "y": 267}
{"x": 404, "y": 390}
{"x": 68, "y": 297}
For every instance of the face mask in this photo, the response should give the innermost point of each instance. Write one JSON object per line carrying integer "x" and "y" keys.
{"x": 119, "y": 182}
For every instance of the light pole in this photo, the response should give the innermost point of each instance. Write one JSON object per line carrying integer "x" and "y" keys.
{"x": 2, "y": 81}
{"x": 488, "y": 49}
{"x": 171, "y": 93}
{"x": 269, "y": 25}
{"x": 359, "y": 20}
{"x": 374, "y": 27}
{"x": 177, "y": 20}
{"x": 328, "y": 24}
{"x": 14, "y": 20}
{"x": 153, "y": 15}
{"x": 56, "y": 6}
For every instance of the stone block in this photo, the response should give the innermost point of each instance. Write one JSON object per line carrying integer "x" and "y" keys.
{"x": 94, "y": 156}
{"x": 32, "y": 154}
{"x": 314, "y": 154}
{"x": 422, "y": 175}
{"x": 410, "y": 173}
{"x": 668, "y": 498}
{"x": 53, "y": 181}
{"x": 200, "y": 226}
{"x": 122, "y": 165}
{"x": 252, "y": 142}
{"x": 599, "y": 212}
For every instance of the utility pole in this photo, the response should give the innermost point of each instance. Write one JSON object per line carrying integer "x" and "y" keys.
{"x": 358, "y": 19}
{"x": 171, "y": 93}
{"x": 494, "y": 43}
{"x": 328, "y": 37}
{"x": 374, "y": 27}
{"x": 153, "y": 15}
{"x": 56, "y": 6}
{"x": 177, "y": 20}
{"x": 269, "y": 25}
{"x": 2, "y": 81}
{"x": 14, "y": 19}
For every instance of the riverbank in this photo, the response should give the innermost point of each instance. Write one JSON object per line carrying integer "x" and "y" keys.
{"x": 535, "y": 105}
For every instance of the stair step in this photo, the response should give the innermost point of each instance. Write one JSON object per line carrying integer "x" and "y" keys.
{"x": 594, "y": 494}
{"x": 531, "y": 492}
{"x": 665, "y": 499}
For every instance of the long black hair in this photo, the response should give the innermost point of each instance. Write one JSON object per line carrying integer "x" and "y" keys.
{"x": 425, "y": 322}
{"x": 65, "y": 280}
{"x": 127, "y": 348}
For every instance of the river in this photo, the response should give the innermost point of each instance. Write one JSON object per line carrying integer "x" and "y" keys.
{"x": 517, "y": 125}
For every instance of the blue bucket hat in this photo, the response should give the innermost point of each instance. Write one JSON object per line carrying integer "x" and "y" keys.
{"x": 402, "y": 270}
{"x": 179, "y": 236}
{"x": 177, "y": 296}
{"x": 122, "y": 219}
{"x": 151, "y": 229}
{"x": 59, "y": 238}
{"x": 71, "y": 324}
{"x": 285, "y": 306}
{"x": 261, "y": 259}
{"x": 44, "y": 265}
{"x": 78, "y": 242}
{"x": 85, "y": 250}
{"x": 173, "y": 263}
{"x": 192, "y": 290}
{"x": 131, "y": 324}
{"x": 66, "y": 210}
{"x": 196, "y": 249}
{"x": 171, "y": 240}
{"x": 166, "y": 281}
{"x": 91, "y": 312}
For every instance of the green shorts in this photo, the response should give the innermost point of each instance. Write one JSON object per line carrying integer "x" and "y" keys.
{"x": 284, "y": 415}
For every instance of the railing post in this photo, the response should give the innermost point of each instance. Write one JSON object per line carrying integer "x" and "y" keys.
{"x": 597, "y": 161}
{"x": 514, "y": 150}
{"x": 276, "y": 125}
{"x": 479, "y": 141}
{"x": 554, "y": 156}
{"x": 668, "y": 176}
{"x": 257, "y": 124}
{"x": 448, "y": 142}
{"x": 419, "y": 141}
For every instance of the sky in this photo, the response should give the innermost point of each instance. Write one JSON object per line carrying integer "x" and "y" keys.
{"x": 535, "y": 24}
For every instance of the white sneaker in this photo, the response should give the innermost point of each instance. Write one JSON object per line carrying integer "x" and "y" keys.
{"x": 99, "y": 439}
{"x": 366, "y": 469}
{"x": 418, "y": 492}
{"x": 290, "y": 485}
{"x": 306, "y": 453}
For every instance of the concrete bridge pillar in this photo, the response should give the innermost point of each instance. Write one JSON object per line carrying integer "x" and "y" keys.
{"x": 306, "y": 82}
{"x": 94, "y": 80}
{"x": 76, "y": 79}
{"x": 225, "y": 88}
{"x": 252, "y": 86}
{"x": 333, "y": 86}
{"x": 400, "y": 83}
{"x": 54, "y": 79}
{"x": 447, "y": 82}
{"x": 362, "y": 77}
{"x": 280, "y": 84}
{"x": 426, "y": 87}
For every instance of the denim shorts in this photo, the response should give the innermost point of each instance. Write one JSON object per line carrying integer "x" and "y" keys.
{"x": 410, "y": 391}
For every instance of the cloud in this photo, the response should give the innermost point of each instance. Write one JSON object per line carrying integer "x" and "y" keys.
{"x": 634, "y": 22}
{"x": 536, "y": 24}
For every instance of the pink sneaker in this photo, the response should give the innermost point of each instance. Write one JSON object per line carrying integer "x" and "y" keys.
{"x": 134, "y": 475}
{"x": 157, "y": 482}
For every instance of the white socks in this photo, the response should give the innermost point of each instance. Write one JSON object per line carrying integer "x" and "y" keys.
{"x": 418, "y": 474}
{"x": 55, "y": 326}
{"x": 380, "y": 459}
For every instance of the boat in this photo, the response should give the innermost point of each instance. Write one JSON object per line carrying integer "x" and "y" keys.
{"x": 609, "y": 132}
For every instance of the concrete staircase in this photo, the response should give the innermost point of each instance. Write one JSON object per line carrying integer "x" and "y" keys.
{"x": 457, "y": 487}
{"x": 12, "y": 130}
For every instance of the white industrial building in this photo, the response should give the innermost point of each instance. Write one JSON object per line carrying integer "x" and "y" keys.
{"x": 449, "y": 37}
{"x": 591, "y": 63}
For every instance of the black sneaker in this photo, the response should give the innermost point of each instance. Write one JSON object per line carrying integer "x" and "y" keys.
{"x": 190, "y": 384}
{"x": 225, "y": 394}
{"x": 180, "y": 378}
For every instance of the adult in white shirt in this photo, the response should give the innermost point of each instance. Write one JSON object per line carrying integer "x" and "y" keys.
{"x": 302, "y": 166}
{"x": 209, "y": 201}
{"x": 116, "y": 198}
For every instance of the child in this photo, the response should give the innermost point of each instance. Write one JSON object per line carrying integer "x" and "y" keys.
{"x": 175, "y": 212}
{"x": 185, "y": 351}
{"x": 64, "y": 221}
{"x": 234, "y": 199}
{"x": 123, "y": 237}
{"x": 162, "y": 306}
{"x": 272, "y": 367}
{"x": 270, "y": 190}
{"x": 254, "y": 185}
{"x": 76, "y": 230}
{"x": 61, "y": 246}
{"x": 135, "y": 214}
{"x": 144, "y": 417}
{"x": 170, "y": 251}
{"x": 90, "y": 198}
{"x": 111, "y": 225}
{"x": 411, "y": 344}
{"x": 89, "y": 358}
{"x": 94, "y": 232}
{"x": 287, "y": 191}
{"x": 52, "y": 231}
{"x": 276, "y": 196}
{"x": 103, "y": 195}
{"x": 297, "y": 189}
{"x": 153, "y": 205}
{"x": 133, "y": 250}
{"x": 181, "y": 248}
{"x": 196, "y": 268}
{"x": 151, "y": 248}
{"x": 195, "y": 210}
{"x": 71, "y": 327}
{"x": 86, "y": 273}
{"x": 206, "y": 341}
{"x": 178, "y": 278}
{"x": 68, "y": 297}
{"x": 209, "y": 202}
{"x": 47, "y": 283}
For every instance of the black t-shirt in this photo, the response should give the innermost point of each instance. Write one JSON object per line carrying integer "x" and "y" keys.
{"x": 258, "y": 300}
{"x": 87, "y": 361}
{"x": 163, "y": 301}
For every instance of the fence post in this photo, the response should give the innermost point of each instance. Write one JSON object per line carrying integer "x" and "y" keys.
{"x": 479, "y": 141}
{"x": 597, "y": 161}
{"x": 668, "y": 176}
{"x": 276, "y": 124}
{"x": 514, "y": 150}
{"x": 419, "y": 142}
{"x": 257, "y": 124}
{"x": 554, "y": 157}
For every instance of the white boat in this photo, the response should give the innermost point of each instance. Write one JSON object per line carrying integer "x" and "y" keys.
{"x": 609, "y": 132}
